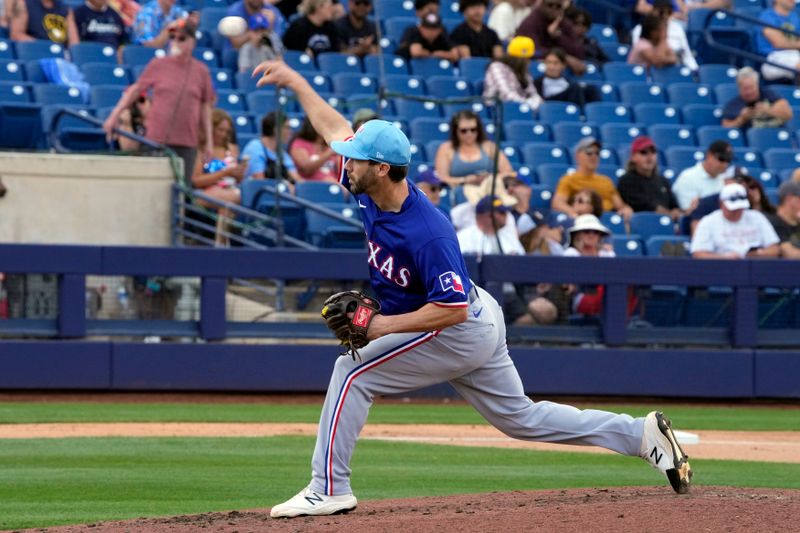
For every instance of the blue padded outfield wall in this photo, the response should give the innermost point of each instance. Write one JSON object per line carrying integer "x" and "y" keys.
{"x": 739, "y": 361}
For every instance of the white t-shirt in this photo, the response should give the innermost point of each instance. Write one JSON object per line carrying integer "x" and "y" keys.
{"x": 717, "y": 234}
{"x": 473, "y": 241}
{"x": 695, "y": 182}
{"x": 676, "y": 38}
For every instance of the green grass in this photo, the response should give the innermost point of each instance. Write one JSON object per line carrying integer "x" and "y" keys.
{"x": 684, "y": 417}
{"x": 59, "y": 481}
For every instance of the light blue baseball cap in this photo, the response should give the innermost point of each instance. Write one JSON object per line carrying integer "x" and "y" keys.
{"x": 377, "y": 140}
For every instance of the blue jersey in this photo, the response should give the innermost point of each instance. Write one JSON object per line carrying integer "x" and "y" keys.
{"x": 414, "y": 257}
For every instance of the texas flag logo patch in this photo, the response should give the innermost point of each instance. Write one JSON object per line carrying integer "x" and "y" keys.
{"x": 451, "y": 281}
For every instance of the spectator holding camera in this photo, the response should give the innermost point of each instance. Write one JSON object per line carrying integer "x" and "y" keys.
{"x": 755, "y": 106}
{"x": 263, "y": 44}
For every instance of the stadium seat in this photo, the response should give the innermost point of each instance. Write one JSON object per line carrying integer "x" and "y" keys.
{"x": 417, "y": 108}
{"x": 593, "y": 74}
{"x": 608, "y": 92}
{"x": 418, "y": 152}
{"x": 322, "y": 82}
{"x": 717, "y": 74}
{"x": 657, "y": 114}
{"x": 348, "y": 83}
{"x": 620, "y": 72}
{"x": 553, "y": 112}
{"x": 424, "y": 129}
{"x": 431, "y": 66}
{"x": 541, "y": 197}
{"x": 614, "y": 222}
{"x": 291, "y": 213}
{"x": 551, "y": 173}
{"x": 320, "y": 192}
{"x": 569, "y": 133}
{"x": 135, "y": 54}
{"x": 230, "y": 59}
{"x": 790, "y": 92}
{"x": 732, "y": 38}
{"x": 46, "y": 94}
{"x": 683, "y": 157}
{"x": 15, "y": 92}
{"x": 612, "y": 171}
{"x": 448, "y": 87}
{"x": 672, "y": 74}
{"x": 245, "y": 83}
{"x": 39, "y": 49}
{"x": 649, "y": 225}
{"x": 522, "y": 131}
{"x": 105, "y": 95}
{"x": 708, "y": 134}
{"x": 604, "y": 33}
{"x": 515, "y": 111}
{"x": 222, "y": 79}
{"x": 473, "y": 68}
{"x": 92, "y": 52}
{"x": 620, "y": 134}
{"x": 476, "y": 107}
{"x": 299, "y": 61}
{"x": 616, "y": 52}
{"x": 768, "y": 179}
{"x": 20, "y": 125}
{"x": 778, "y": 159}
{"x": 396, "y": 26}
{"x": 6, "y": 50}
{"x": 11, "y": 70}
{"x": 766, "y": 138}
{"x": 231, "y": 101}
{"x": 672, "y": 135}
{"x": 332, "y": 62}
{"x": 328, "y": 232}
{"x": 392, "y": 8}
{"x": 210, "y": 17}
{"x": 690, "y": 93}
{"x": 641, "y": 92}
{"x": 542, "y": 153}
{"x": 262, "y": 102}
{"x": 105, "y": 74}
{"x": 391, "y": 64}
{"x": 725, "y": 92}
{"x": 627, "y": 245}
{"x": 608, "y": 156}
{"x": 245, "y": 124}
{"x": 698, "y": 115}
{"x": 405, "y": 84}
{"x": 513, "y": 153}
{"x": 605, "y": 112}
{"x": 748, "y": 157}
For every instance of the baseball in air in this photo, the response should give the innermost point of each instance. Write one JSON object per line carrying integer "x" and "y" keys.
{"x": 232, "y": 26}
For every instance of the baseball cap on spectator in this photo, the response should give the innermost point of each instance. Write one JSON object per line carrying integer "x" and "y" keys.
{"x": 642, "y": 142}
{"x": 431, "y": 20}
{"x": 183, "y": 27}
{"x": 428, "y": 176}
{"x": 734, "y": 197}
{"x": 788, "y": 188}
{"x": 376, "y": 140}
{"x": 722, "y": 150}
{"x": 489, "y": 203}
{"x": 258, "y": 21}
{"x": 521, "y": 46}
{"x": 586, "y": 143}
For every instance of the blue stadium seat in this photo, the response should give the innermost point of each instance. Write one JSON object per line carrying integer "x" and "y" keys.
{"x": 605, "y": 112}
{"x": 333, "y": 62}
{"x": 292, "y": 214}
{"x": 655, "y": 244}
{"x": 627, "y": 245}
{"x": 85, "y": 138}
{"x": 552, "y": 112}
{"x": 614, "y": 222}
{"x": 245, "y": 83}
{"x": 778, "y": 159}
{"x": 424, "y": 129}
{"x": 473, "y": 68}
{"x": 766, "y": 138}
{"x": 210, "y": 17}
{"x": 320, "y": 192}
{"x": 262, "y": 102}
{"x": 299, "y": 60}
{"x": 20, "y": 125}
{"x": 432, "y": 147}
{"x": 7, "y": 50}
{"x": 11, "y": 70}
{"x": 593, "y": 73}
{"x": 391, "y": 64}
{"x": 733, "y": 38}
{"x": 768, "y": 179}
{"x": 550, "y": 174}
{"x": 725, "y": 92}
{"x": 522, "y": 131}
{"x": 698, "y": 115}
{"x": 231, "y": 101}
{"x": 222, "y": 79}
{"x": 418, "y": 152}
{"x": 15, "y": 92}
{"x": 640, "y": 92}
{"x": 657, "y": 114}
{"x": 431, "y": 66}
{"x": 396, "y": 26}
{"x": 717, "y": 74}
{"x": 392, "y": 8}
{"x": 135, "y": 54}
{"x": 608, "y": 156}
{"x": 672, "y": 74}
{"x": 92, "y": 52}
{"x": 347, "y": 83}
{"x": 541, "y": 153}
{"x": 30, "y": 50}
{"x": 417, "y": 108}
{"x": 708, "y": 134}
{"x": 569, "y": 133}
{"x": 790, "y": 92}
{"x": 448, "y": 87}
{"x": 541, "y": 197}
{"x": 621, "y": 72}
{"x": 322, "y": 82}
{"x": 476, "y": 107}
{"x": 513, "y": 153}
{"x": 616, "y": 52}
{"x": 515, "y": 111}
{"x": 690, "y": 93}
{"x": 328, "y": 232}
{"x": 683, "y": 157}
{"x": 245, "y": 123}
{"x": 105, "y": 95}
{"x": 672, "y": 135}
{"x": 617, "y": 135}
{"x": 105, "y": 74}
{"x": 748, "y": 157}
{"x": 651, "y": 224}
{"x": 604, "y": 33}
{"x": 45, "y": 93}
{"x": 608, "y": 92}
{"x": 230, "y": 58}
{"x": 405, "y": 84}
{"x": 612, "y": 171}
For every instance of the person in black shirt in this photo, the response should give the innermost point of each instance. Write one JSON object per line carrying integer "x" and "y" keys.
{"x": 314, "y": 32}
{"x": 553, "y": 85}
{"x": 358, "y": 34}
{"x": 96, "y": 21}
{"x": 787, "y": 219}
{"x": 472, "y": 37}
{"x": 428, "y": 39}
{"x": 642, "y": 187}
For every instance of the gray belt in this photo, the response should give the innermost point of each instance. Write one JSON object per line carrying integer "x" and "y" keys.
{"x": 473, "y": 294}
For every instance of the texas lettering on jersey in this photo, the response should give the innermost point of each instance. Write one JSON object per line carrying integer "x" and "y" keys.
{"x": 384, "y": 263}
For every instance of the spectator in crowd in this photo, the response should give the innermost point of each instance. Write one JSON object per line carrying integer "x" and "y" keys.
{"x": 315, "y": 161}
{"x": 582, "y": 20}
{"x": 755, "y": 106}
{"x": 587, "y": 155}
{"x": 363, "y": 115}
{"x": 95, "y": 21}
{"x": 246, "y": 9}
{"x": 734, "y": 231}
{"x": 261, "y": 155}
{"x": 472, "y": 37}
{"x": 786, "y": 221}
{"x": 49, "y": 20}
{"x": 183, "y": 97}
{"x": 522, "y": 192}
{"x": 507, "y": 15}
{"x": 757, "y": 196}
{"x": 675, "y": 35}
{"x": 462, "y": 214}
{"x": 586, "y": 202}
{"x": 710, "y": 203}
{"x": 652, "y": 48}
{"x": 553, "y": 85}
{"x": 427, "y": 39}
{"x": 468, "y": 157}
{"x": 429, "y": 183}
{"x": 705, "y": 177}
{"x": 219, "y": 176}
{"x": 264, "y": 44}
{"x": 132, "y": 120}
{"x": 491, "y": 225}
{"x": 359, "y": 34}
{"x": 780, "y": 47}
{"x": 151, "y": 27}
{"x": 314, "y": 32}
{"x": 642, "y": 186}
{"x": 548, "y": 28}
{"x": 508, "y": 79}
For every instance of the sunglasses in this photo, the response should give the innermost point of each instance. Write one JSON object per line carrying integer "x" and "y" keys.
{"x": 647, "y": 151}
{"x": 179, "y": 38}
{"x": 468, "y": 130}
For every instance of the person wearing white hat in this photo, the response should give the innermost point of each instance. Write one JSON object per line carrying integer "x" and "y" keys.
{"x": 734, "y": 231}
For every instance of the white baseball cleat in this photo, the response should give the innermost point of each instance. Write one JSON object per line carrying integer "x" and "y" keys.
{"x": 660, "y": 448}
{"x": 311, "y": 503}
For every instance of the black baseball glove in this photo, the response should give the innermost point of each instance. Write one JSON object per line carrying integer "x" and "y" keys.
{"x": 350, "y": 330}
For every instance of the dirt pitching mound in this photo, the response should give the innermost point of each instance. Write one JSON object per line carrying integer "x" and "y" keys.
{"x": 619, "y": 510}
